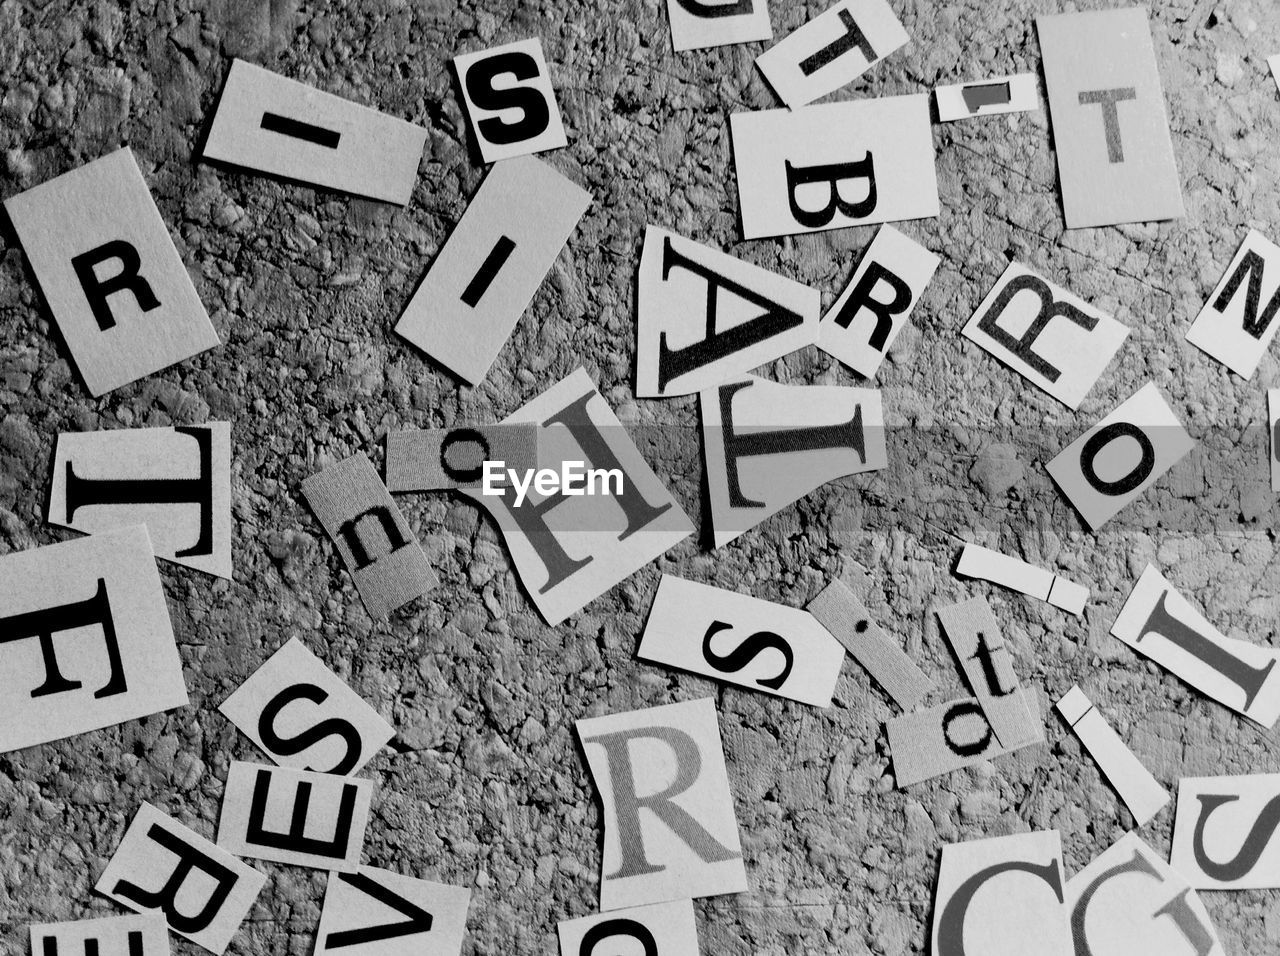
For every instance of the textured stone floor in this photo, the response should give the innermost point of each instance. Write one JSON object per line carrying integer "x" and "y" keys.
{"x": 486, "y": 785}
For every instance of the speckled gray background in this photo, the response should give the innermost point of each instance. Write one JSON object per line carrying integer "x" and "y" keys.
{"x": 485, "y": 785}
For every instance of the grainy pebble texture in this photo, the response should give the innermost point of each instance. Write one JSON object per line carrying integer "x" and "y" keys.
{"x": 485, "y": 784}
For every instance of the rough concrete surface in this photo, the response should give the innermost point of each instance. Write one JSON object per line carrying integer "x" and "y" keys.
{"x": 485, "y": 784}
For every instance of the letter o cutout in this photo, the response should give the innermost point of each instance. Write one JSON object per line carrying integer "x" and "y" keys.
{"x": 1100, "y": 440}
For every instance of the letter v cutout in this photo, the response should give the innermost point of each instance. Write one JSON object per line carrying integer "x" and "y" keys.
{"x": 419, "y": 920}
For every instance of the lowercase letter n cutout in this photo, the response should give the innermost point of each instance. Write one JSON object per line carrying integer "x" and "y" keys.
{"x": 834, "y": 165}
{"x": 176, "y": 481}
{"x": 1238, "y": 322}
{"x": 138, "y": 934}
{"x": 698, "y": 24}
{"x": 676, "y": 842}
{"x": 569, "y": 549}
{"x": 202, "y": 891}
{"x": 1056, "y": 341}
{"x": 741, "y": 640}
{"x": 272, "y": 124}
{"x": 1224, "y": 834}
{"x": 1130, "y": 901}
{"x": 85, "y": 639}
{"x": 377, "y": 545}
{"x": 768, "y": 445}
{"x": 833, "y": 49}
{"x": 294, "y": 816}
{"x": 1159, "y": 623}
{"x": 114, "y": 282}
{"x": 1000, "y": 896}
{"x": 303, "y": 716}
{"x": 508, "y": 98}
{"x": 372, "y": 912}
{"x": 493, "y": 262}
{"x": 1110, "y": 128}
{"x": 658, "y": 929}
{"x": 704, "y": 317}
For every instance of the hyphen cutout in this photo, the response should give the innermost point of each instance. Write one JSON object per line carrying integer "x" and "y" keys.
{"x": 493, "y": 262}
{"x": 308, "y": 132}
{"x": 484, "y": 276}
{"x": 1005, "y": 94}
{"x": 270, "y": 123}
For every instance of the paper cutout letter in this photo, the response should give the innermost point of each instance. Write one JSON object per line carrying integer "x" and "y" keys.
{"x": 202, "y": 891}
{"x": 1000, "y": 94}
{"x": 1122, "y": 456}
{"x": 135, "y": 935}
{"x": 376, "y": 543}
{"x": 974, "y": 635}
{"x": 509, "y": 100}
{"x": 741, "y": 640}
{"x": 874, "y": 307}
{"x": 838, "y": 610}
{"x": 1159, "y": 623}
{"x": 957, "y": 734}
{"x": 685, "y": 844}
{"x": 271, "y": 124}
{"x": 85, "y": 639}
{"x": 658, "y": 929}
{"x": 1273, "y": 432}
{"x": 1224, "y": 835}
{"x": 1063, "y": 357}
{"x": 1110, "y": 129}
{"x": 1142, "y": 793}
{"x": 176, "y": 481}
{"x": 303, "y": 716}
{"x": 698, "y": 24}
{"x": 441, "y": 459}
{"x": 1016, "y": 574}
{"x": 569, "y": 550}
{"x": 836, "y": 165}
{"x": 705, "y": 317}
{"x": 768, "y": 445}
{"x": 1238, "y": 322}
{"x": 113, "y": 280}
{"x": 1129, "y": 900}
{"x": 294, "y": 816}
{"x": 372, "y": 912}
{"x": 1026, "y": 915}
{"x": 493, "y": 262}
{"x": 831, "y": 50}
